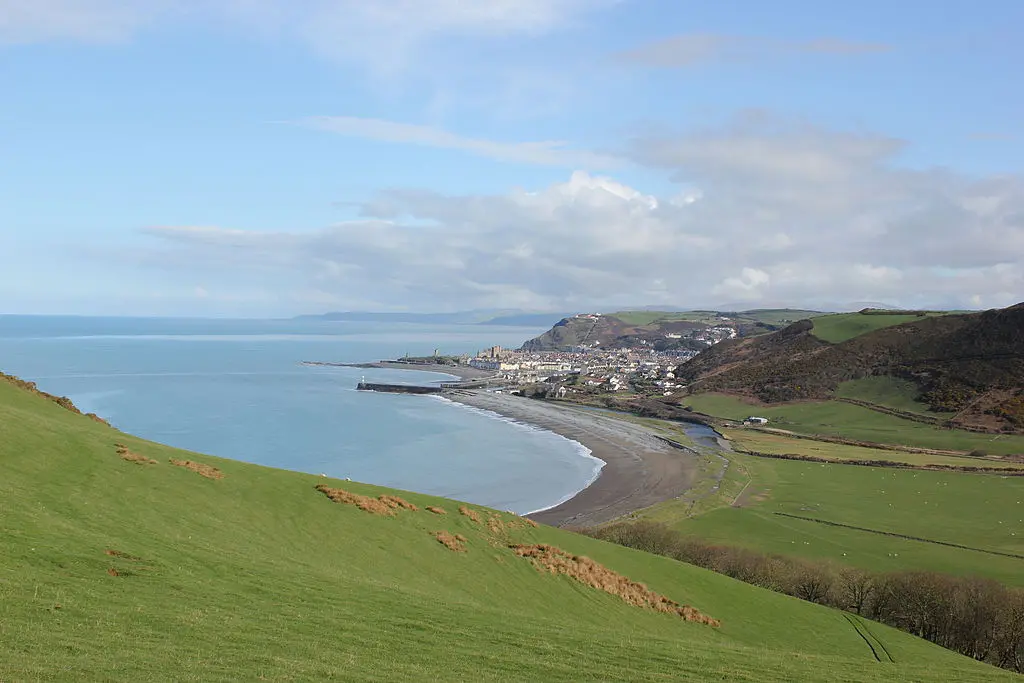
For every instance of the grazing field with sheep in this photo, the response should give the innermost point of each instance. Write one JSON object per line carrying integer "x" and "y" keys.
{"x": 877, "y": 518}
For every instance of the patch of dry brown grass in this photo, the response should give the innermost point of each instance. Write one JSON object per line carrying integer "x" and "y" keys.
{"x": 464, "y": 510}
{"x": 454, "y": 542}
{"x": 364, "y": 503}
{"x": 113, "y": 572}
{"x": 121, "y": 555}
{"x": 208, "y": 471}
{"x": 495, "y": 524}
{"x": 583, "y": 569}
{"x": 531, "y": 522}
{"x": 396, "y": 502}
{"x": 437, "y": 510}
{"x": 128, "y": 455}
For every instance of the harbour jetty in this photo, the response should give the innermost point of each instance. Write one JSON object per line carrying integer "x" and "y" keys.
{"x": 399, "y": 388}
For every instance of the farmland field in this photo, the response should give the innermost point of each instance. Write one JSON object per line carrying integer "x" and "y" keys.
{"x": 835, "y": 418}
{"x": 985, "y": 512}
{"x": 767, "y": 442}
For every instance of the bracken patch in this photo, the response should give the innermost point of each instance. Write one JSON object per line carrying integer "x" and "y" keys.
{"x": 208, "y": 471}
{"x": 364, "y": 503}
{"x": 454, "y": 542}
{"x": 464, "y": 510}
{"x": 121, "y": 555}
{"x": 128, "y": 455}
{"x": 583, "y": 569}
{"x": 495, "y": 524}
{"x": 396, "y": 502}
{"x": 437, "y": 510}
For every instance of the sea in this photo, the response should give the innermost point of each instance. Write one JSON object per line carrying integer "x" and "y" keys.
{"x": 238, "y": 389}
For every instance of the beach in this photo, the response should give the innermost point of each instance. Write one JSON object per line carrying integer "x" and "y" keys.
{"x": 640, "y": 469}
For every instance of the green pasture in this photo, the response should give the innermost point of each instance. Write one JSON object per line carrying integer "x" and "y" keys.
{"x": 779, "y": 316}
{"x": 257, "y": 576}
{"x": 835, "y": 418}
{"x": 767, "y": 442}
{"x": 841, "y": 327}
{"x": 890, "y": 392}
{"x": 770, "y": 316}
{"x": 649, "y": 317}
{"x": 985, "y": 512}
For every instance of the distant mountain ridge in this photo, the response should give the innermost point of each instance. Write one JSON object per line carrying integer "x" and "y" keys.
{"x": 971, "y": 364}
{"x": 510, "y": 317}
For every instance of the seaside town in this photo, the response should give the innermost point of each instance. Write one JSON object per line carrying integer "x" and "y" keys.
{"x": 592, "y": 368}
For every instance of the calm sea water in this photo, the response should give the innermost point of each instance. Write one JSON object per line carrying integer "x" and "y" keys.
{"x": 236, "y": 389}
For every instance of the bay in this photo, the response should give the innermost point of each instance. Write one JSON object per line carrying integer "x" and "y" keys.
{"x": 237, "y": 389}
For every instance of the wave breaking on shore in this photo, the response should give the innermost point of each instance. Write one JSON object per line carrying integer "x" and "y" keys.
{"x": 581, "y": 450}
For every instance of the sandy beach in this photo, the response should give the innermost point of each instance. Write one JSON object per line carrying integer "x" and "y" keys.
{"x": 641, "y": 470}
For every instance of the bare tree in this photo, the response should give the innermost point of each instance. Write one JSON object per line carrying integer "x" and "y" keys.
{"x": 855, "y": 588}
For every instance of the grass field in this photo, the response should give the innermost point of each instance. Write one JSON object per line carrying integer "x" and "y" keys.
{"x": 890, "y": 392}
{"x": 780, "y": 316}
{"x": 772, "y": 316}
{"x": 835, "y": 418}
{"x": 841, "y": 327}
{"x": 649, "y": 317}
{"x": 120, "y": 570}
{"x": 766, "y": 442}
{"x": 980, "y": 511}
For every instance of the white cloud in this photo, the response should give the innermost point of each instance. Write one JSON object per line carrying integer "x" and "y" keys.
{"x": 749, "y": 286}
{"x": 361, "y": 30}
{"x": 91, "y": 21}
{"x": 691, "y": 49}
{"x": 772, "y": 213}
{"x": 549, "y": 153}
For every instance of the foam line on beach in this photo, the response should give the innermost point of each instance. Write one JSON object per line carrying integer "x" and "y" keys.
{"x": 581, "y": 450}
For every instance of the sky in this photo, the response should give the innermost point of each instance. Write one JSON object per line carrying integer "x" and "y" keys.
{"x": 264, "y": 158}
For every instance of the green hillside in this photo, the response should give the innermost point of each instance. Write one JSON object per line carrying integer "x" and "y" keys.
{"x": 844, "y": 326}
{"x": 113, "y": 569}
{"x": 887, "y": 391}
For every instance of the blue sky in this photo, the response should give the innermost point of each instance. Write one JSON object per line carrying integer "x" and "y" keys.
{"x": 266, "y": 158}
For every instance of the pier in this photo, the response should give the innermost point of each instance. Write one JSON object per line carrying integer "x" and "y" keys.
{"x": 399, "y": 388}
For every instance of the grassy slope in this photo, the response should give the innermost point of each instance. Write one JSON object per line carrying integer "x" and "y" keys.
{"x": 843, "y": 326}
{"x": 891, "y": 392}
{"x": 834, "y": 418}
{"x": 259, "y": 576}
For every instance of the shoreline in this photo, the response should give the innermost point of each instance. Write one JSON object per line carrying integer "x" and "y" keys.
{"x": 581, "y": 449}
{"x": 639, "y": 471}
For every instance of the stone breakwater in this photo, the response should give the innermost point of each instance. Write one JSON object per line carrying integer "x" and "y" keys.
{"x": 398, "y": 388}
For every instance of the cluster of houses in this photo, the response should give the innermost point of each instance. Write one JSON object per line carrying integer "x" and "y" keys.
{"x": 590, "y": 368}
{"x": 583, "y": 368}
